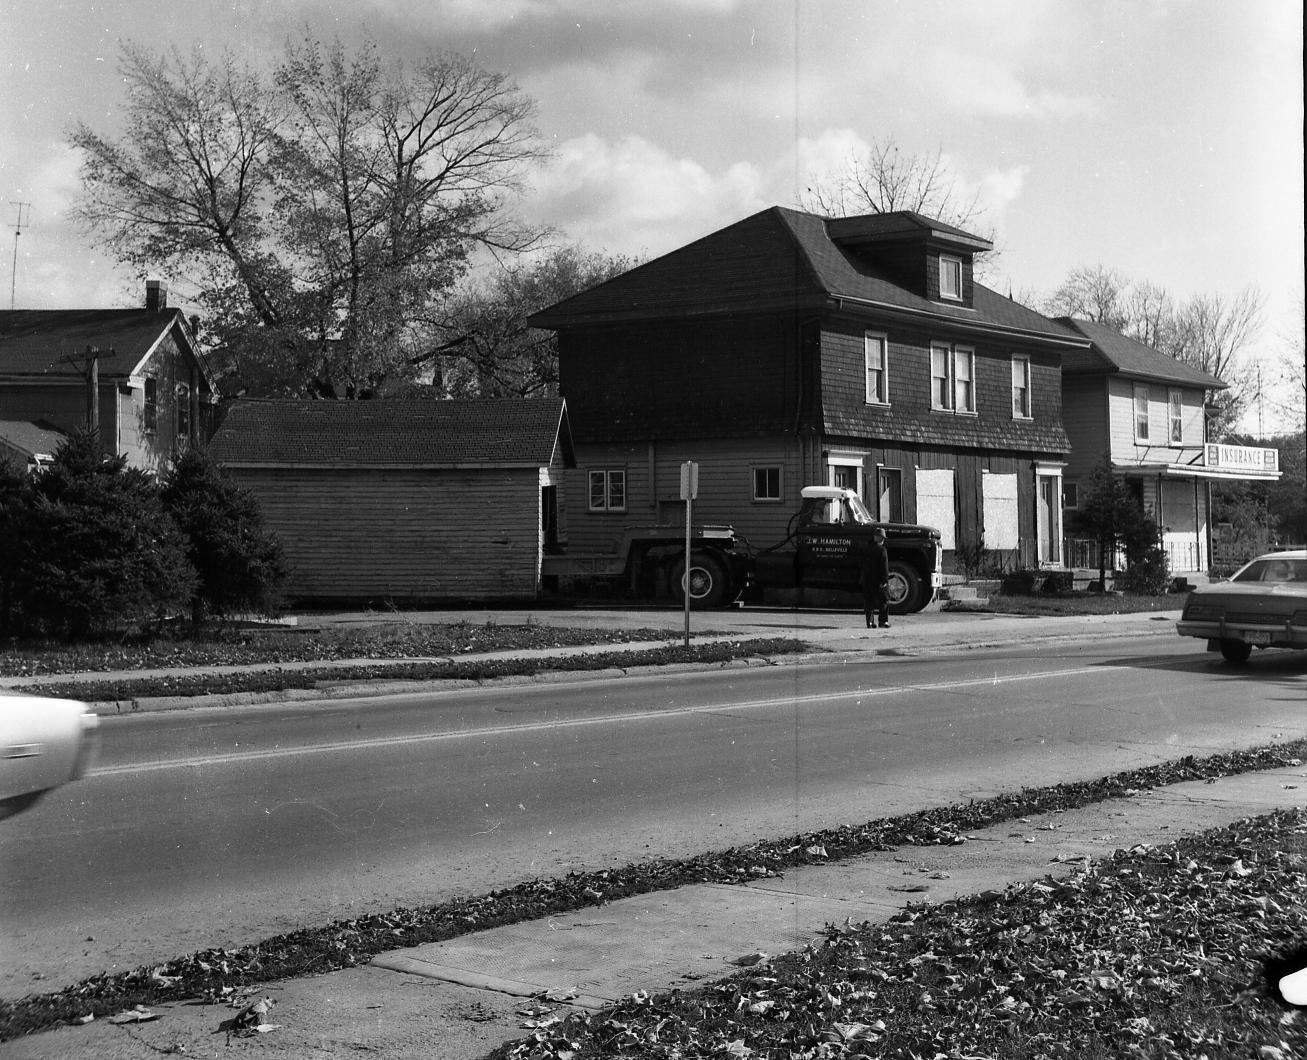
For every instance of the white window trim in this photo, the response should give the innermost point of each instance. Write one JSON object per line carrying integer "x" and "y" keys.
{"x": 952, "y": 261}
{"x": 1174, "y": 420}
{"x": 1136, "y": 391}
{"x": 883, "y": 339}
{"x": 608, "y": 473}
{"x": 1029, "y": 411}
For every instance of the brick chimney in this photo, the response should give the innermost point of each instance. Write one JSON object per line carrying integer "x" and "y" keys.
{"x": 156, "y": 296}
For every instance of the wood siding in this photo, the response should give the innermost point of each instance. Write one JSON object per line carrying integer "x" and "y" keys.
{"x": 909, "y": 415}
{"x": 1126, "y": 449}
{"x": 681, "y": 379}
{"x": 404, "y": 535}
{"x": 653, "y": 487}
{"x": 1085, "y": 416}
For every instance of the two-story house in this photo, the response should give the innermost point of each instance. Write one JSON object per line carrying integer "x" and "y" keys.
{"x": 134, "y": 374}
{"x": 790, "y": 349}
{"x": 1145, "y": 413}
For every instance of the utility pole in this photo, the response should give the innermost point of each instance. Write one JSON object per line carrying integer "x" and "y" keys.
{"x": 18, "y": 231}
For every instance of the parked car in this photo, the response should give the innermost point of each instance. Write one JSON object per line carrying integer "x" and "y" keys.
{"x": 1263, "y": 605}
{"x": 43, "y": 743}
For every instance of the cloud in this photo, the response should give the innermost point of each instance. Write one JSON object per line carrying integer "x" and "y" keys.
{"x": 979, "y": 86}
{"x": 631, "y": 196}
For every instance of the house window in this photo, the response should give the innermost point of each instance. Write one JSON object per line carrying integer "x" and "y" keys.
{"x": 1175, "y": 402}
{"x": 877, "y": 360}
{"x": 941, "y": 378}
{"x": 1070, "y": 494}
{"x": 766, "y": 483}
{"x": 150, "y": 406}
{"x": 952, "y": 375}
{"x": 950, "y": 278}
{"x": 964, "y": 371}
{"x": 1021, "y": 388}
{"x": 1141, "y": 413}
{"x": 608, "y": 490}
{"x": 183, "y": 412}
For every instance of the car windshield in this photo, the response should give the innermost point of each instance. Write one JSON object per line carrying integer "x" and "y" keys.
{"x": 1273, "y": 570}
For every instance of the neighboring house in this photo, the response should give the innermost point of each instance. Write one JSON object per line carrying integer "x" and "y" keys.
{"x": 1145, "y": 412}
{"x": 26, "y": 446}
{"x": 789, "y": 350}
{"x": 404, "y": 500}
{"x": 153, "y": 391}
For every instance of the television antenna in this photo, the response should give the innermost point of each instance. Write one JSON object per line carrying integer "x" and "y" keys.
{"x": 18, "y": 231}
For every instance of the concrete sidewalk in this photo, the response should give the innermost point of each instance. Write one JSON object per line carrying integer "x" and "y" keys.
{"x": 459, "y": 999}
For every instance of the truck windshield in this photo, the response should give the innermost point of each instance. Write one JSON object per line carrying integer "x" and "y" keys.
{"x": 857, "y": 511}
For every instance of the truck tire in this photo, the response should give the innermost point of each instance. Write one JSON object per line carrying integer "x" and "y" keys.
{"x": 707, "y": 581}
{"x": 905, "y": 593}
{"x": 1236, "y": 651}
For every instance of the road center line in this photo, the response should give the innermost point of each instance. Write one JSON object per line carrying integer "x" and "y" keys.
{"x": 196, "y": 762}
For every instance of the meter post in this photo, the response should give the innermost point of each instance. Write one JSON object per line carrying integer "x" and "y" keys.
{"x": 689, "y": 490}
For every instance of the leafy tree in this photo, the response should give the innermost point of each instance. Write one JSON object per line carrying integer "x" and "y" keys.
{"x": 485, "y": 348}
{"x": 316, "y": 209}
{"x": 239, "y": 562}
{"x": 98, "y": 552}
{"x": 1113, "y": 516}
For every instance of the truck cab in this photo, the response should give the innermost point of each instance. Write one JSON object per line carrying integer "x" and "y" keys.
{"x": 831, "y": 534}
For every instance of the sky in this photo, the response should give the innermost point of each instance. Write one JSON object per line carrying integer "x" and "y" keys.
{"x": 1161, "y": 138}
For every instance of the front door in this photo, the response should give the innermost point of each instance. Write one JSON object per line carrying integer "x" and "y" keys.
{"x": 1049, "y": 520}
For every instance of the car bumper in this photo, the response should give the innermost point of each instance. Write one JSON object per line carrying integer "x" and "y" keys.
{"x": 1262, "y": 635}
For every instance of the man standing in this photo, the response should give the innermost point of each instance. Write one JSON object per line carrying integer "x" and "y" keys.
{"x": 875, "y": 580}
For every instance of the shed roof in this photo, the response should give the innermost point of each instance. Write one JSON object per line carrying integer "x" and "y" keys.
{"x": 787, "y": 259}
{"x": 394, "y": 433}
{"x": 52, "y": 343}
{"x": 1112, "y": 352}
{"x": 31, "y": 436}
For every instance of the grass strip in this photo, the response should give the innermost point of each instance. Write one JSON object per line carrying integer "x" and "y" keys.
{"x": 215, "y": 974}
{"x": 478, "y": 669}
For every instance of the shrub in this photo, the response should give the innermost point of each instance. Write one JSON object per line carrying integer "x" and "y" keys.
{"x": 239, "y": 562}
{"x": 97, "y": 551}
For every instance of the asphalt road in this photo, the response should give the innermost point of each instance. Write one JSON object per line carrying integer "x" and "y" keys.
{"x": 209, "y": 828}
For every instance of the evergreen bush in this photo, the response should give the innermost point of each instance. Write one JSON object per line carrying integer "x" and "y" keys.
{"x": 97, "y": 552}
{"x": 240, "y": 563}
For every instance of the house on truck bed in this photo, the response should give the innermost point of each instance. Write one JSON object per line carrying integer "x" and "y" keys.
{"x": 789, "y": 350}
{"x": 404, "y": 501}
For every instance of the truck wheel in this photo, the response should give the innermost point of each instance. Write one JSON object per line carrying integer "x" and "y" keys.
{"x": 905, "y": 595}
{"x": 1236, "y": 651}
{"x": 707, "y": 581}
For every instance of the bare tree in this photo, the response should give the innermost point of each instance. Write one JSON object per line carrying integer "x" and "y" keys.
{"x": 1091, "y": 292}
{"x": 886, "y": 179}
{"x": 319, "y": 211}
{"x": 1213, "y": 334}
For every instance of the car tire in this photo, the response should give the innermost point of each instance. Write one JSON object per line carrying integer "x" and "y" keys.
{"x": 1236, "y": 651}
{"x": 707, "y": 582}
{"x": 905, "y": 593}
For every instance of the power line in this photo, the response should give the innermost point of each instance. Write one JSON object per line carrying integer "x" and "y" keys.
{"x": 18, "y": 231}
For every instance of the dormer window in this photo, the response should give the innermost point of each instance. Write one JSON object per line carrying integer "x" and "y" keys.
{"x": 950, "y": 278}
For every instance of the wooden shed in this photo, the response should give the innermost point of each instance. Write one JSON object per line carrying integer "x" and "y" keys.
{"x": 404, "y": 501}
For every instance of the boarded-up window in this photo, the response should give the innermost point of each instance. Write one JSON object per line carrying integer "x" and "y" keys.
{"x": 1000, "y": 513}
{"x": 935, "y": 504}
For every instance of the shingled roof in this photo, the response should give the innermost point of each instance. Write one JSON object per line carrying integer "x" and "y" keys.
{"x": 1112, "y": 352}
{"x": 786, "y": 259}
{"x": 394, "y": 433}
{"x": 52, "y": 343}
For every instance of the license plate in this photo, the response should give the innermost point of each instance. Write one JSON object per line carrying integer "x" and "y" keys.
{"x": 1257, "y": 638}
